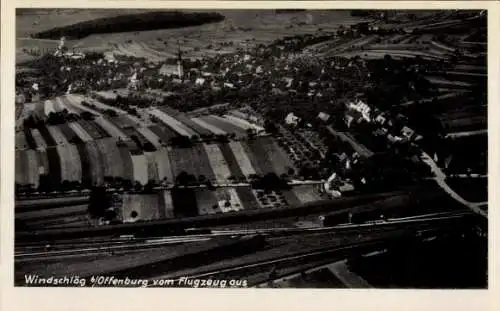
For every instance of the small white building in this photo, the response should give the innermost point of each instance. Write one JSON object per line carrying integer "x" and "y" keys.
{"x": 199, "y": 81}
{"x": 324, "y": 116}
{"x": 292, "y": 119}
{"x": 407, "y": 132}
{"x": 361, "y": 107}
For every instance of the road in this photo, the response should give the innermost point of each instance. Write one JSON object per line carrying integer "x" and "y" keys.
{"x": 440, "y": 178}
{"x": 359, "y": 148}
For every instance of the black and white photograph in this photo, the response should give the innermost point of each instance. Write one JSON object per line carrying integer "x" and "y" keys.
{"x": 251, "y": 148}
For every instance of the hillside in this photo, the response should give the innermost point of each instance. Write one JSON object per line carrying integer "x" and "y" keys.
{"x": 130, "y": 22}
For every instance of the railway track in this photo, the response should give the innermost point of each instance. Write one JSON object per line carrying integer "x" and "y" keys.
{"x": 37, "y": 251}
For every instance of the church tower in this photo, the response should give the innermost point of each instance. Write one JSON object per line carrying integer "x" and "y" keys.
{"x": 180, "y": 67}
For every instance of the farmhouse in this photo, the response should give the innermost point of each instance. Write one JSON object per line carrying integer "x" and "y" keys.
{"x": 361, "y": 107}
{"x": 407, "y": 132}
{"x": 292, "y": 119}
{"x": 324, "y": 116}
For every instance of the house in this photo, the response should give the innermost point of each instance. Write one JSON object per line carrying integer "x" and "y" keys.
{"x": 362, "y": 108}
{"x": 381, "y": 119}
{"x": 324, "y": 116}
{"x": 407, "y": 132}
{"x": 168, "y": 70}
{"x": 346, "y": 187}
{"x": 292, "y": 119}
{"x": 199, "y": 81}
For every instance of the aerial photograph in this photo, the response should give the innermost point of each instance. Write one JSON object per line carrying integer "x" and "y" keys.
{"x": 270, "y": 148}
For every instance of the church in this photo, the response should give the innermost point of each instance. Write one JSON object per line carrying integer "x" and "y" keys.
{"x": 169, "y": 68}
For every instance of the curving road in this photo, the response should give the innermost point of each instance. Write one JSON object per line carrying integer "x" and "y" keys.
{"x": 440, "y": 178}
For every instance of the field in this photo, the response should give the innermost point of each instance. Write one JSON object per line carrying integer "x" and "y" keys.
{"x": 172, "y": 123}
{"x": 163, "y": 132}
{"x": 307, "y": 193}
{"x": 223, "y": 125}
{"x": 96, "y": 163}
{"x": 112, "y": 162}
{"x": 208, "y": 127}
{"x": 280, "y": 161}
{"x": 193, "y": 161}
{"x": 217, "y": 162}
{"x": 26, "y": 163}
{"x": 147, "y": 207}
{"x": 71, "y": 165}
{"x": 140, "y": 165}
{"x": 38, "y": 138}
{"x": 163, "y": 165}
{"x": 80, "y": 132}
{"x": 239, "y": 27}
{"x": 242, "y": 158}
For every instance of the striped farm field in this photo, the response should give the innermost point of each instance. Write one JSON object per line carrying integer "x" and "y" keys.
{"x": 66, "y": 104}
{"x": 69, "y": 134}
{"x": 86, "y": 167}
{"x": 55, "y": 166}
{"x": 79, "y": 131}
{"x": 95, "y": 163}
{"x": 75, "y": 102}
{"x": 38, "y": 138}
{"x": 20, "y": 167}
{"x": 47, "y": 136}
{"x": 48, "y": 107}
{"x": 128, "y": 166}
{"x": 171, "y": 122}
{"x": 71, "y": 165}
{"x": 110, "y": 154}
{"x": 32, "y": 169}
{"x": 243, "y": 123}
{"x": 306, "y": 193}
{"x": 39, "y": 110}
{"x": 111, "y": 129}
{"x": 102, "y": 106}
{"x": 147, "y": 207}
{"x": 217, "y": 162}
{"x": 133, "y": 133}
{"x": 231, "y": 161}
{"x": 277, "y": 156}
{"x": 229, "y": 197}
{"x": 121, "y": 121}
{"x": 225, "y": 125}
{"x": 152, "y": 167}
{"x": 94, "y": 131}
{"x": 166, "y": 205}
{"x": 140, "y": 165}
{"x": 192, "y": 125}
{"x": 208, "y": 127}
{"x": 21, "y": 142}
{"x": 150, "y": 136}
{"x": 247, "y": 197}
{"x": 242, "y": 158}
{"x": 258, "y": 156}
{"x": 30, "y": 140}
{"x": 207, "y": 202}
{"x": 291, "y": 198}
{"x": 162, "y": 161}
{"x": 43, "y": 162}
{"x": 192, "y": 160}
{"x": 57, "y": 135}
{"x": 163, "y": 132}
{"x": 57, "y": 104}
